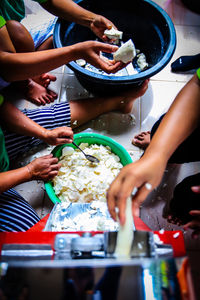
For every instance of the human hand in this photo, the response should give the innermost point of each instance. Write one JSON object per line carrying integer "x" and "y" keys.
{"x": 99, "y": 25}
{"x": 194, "y": 224}
{"x": 141, "y": 176}
{"x": 91, "y": 52}
{"x": 43, "y": 168}
{"x": 57, "y": 136}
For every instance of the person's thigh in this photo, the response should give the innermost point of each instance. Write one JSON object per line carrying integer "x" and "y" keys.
{"x": 13, "y": 38}
{"x": 16, "y": 214}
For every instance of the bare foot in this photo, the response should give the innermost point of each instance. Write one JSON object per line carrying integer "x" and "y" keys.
{"x": 142, "y": 140}
{"x": 130, "y": 96}
{"x": 38, "y": 94}
{"x": 44, "y": 79}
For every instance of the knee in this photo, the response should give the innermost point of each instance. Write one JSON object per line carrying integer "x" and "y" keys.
{"x": 20, "y": 36}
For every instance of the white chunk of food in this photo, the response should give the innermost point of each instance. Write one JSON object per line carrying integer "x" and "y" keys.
{"x": 126, "y": 52}
{"x": 141, "y": 61}
{"x": 81, "y": 62}
{"x": 113, "y": 34}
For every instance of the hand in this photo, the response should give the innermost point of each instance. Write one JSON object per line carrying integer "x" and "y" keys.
{"x": 91, "y": 52}
{"x": 194, "y": 224}
{"x": 43, "y": 168}
{"x": 134, "y": 175}
{"x": 57, "y": 136}
{"x": 99, "y": 25}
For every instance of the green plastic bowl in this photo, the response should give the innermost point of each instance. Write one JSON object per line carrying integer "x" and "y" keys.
{"x": 90, "y": 138}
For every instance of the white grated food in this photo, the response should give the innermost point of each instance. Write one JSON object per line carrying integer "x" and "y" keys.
{"x": 79, "y": 180}
{"x": 93, "y": 218}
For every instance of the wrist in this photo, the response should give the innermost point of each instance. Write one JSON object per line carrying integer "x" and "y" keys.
{"x": 159, "y": 157}
{"x": 44, "y": 134}
{"x": 89, "y": 19}
{"x": 29, "y": 169}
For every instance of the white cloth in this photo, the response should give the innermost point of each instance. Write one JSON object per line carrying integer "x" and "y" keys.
{"x": 40, "y": 26}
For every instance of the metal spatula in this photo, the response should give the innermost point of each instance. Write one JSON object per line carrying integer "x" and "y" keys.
{"x": 89, "y": 157}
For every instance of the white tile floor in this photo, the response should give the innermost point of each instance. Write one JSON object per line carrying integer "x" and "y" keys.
{"x": 162, "y": 90}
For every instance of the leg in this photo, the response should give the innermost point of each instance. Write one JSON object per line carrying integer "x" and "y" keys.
{"x": 184, "y": 200}
{"x": 15, "y": 213}
{"x": 142, "y": 139}
{"x": 188, "y": 151}
{"x": 58, "y": 115}
{"x": 18, "y": 39}
{"x": 47, "y": 44}
{"x": 85, "y": 110}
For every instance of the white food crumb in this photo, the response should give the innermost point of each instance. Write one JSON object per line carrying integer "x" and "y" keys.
{"x": 157, "y": 239}
{"x": 175, "y": 235}
{"x": 141, "y": 61}
{"x": 75, "y": 122}
{"x": 81, "y": 62}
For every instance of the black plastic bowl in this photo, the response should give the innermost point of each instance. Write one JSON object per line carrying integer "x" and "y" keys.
{"x": 149, "y": 26}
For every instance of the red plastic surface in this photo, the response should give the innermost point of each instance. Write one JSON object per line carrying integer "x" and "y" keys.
{"x": 35, "y": 235}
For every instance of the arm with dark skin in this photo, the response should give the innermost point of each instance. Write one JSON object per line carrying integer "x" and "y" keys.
{"x": 43, "y": 168}
{"x": 35, "y": 63}
{"x": 72, "y": 12}
{"x": 185, "y": 110}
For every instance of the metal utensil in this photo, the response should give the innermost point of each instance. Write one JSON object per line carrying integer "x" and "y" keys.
{"x": 89, "y": 157}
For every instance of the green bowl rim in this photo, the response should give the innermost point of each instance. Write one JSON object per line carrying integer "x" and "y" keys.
{"x": 77, "y": 138}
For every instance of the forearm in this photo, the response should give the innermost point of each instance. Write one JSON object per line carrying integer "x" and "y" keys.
{"x": 16, "y": 121}
{"x": 35, "y": 63}
{"x": 179, "y": 122}
{"x": 14, "y": 177}
{"x": 70, "y": 11}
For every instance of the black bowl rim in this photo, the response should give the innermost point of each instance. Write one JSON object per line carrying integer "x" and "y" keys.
{"x": 131, "y": 78}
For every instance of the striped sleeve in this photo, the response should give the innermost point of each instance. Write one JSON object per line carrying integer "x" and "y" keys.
{"x": 2, "y": 21}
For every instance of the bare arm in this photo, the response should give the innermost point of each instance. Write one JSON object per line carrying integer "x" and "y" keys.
{"x": 12, "y": 178}
{"x": 69, "y": 10}
{"x": 179, "y": 122}
{"x": 43, "y": 168}
{"x": 21, "y": 66}
{"x": 16, "y": 121}
{"x": 72, "y": 12}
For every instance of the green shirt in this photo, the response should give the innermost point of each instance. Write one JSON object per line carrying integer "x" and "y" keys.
{"x": 14, "y": 9}
{"x": 4, "y": 160}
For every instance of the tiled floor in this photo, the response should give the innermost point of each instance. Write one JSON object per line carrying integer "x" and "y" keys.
{"x": 162, "y": 90}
